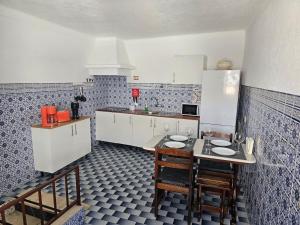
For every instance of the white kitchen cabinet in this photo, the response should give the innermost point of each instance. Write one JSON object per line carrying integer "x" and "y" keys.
{"x": 55, "y": 148}
{"x": 188, "y": 69}
{"x": 123, "y": 129}
{"x": 114, "y": 127}
{"x": 136, "y": 130}
{"x": 82, "y": 137}
{"x": 105, "y": 126}
{"x": 183, "y": 125}
{"x": 161, "y": 122}
{"x": 142, "y": 129}
{"x": 168, "y": 68}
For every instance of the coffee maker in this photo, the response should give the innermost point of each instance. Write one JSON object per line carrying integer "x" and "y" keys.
{"x": 49, "y": 116}
{"x": 75, "y": 104}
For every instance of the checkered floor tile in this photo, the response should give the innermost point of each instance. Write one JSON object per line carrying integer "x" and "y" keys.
{"x": 116, "y": 182}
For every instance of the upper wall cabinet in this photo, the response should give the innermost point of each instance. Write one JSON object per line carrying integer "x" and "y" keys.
{"x": 173, "y": 69}
{"x": 188, "y": 69}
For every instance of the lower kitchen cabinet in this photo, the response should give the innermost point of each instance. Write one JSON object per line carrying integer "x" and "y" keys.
{"x": 114, "y": 127}
{"x": 160, "y": 123}
{"x": 184, "y": 125}
{"x": 106, "y": 126}
{"x": 142, "y": 129}
{"x": 136, "y": 130}
{"x": 123, "y": 132}
{"x": 55, "y": 148}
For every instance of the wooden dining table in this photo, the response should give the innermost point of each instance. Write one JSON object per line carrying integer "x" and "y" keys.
{"x": 200, "y": 152}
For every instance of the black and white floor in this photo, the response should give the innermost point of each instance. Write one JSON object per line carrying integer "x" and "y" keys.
{"x": 116, "y": 181}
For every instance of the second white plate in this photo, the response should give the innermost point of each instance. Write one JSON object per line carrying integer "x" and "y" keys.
{"x": 178, "y": 138}
{"x": 221, "y": 143}
{"x": 223, "y": 151}
{"x": 174, "y": 144}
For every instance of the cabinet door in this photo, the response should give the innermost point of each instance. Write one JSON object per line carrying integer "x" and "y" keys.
{"x": 142, "y": 130}
{"x": 188, "y": 69}
{"x": 105, "y": 126}
{"x": 161, "y": 122}
{"x": 123, "y": 129}
{"x": 183, "y": 125}
{"x": 82, "y": 137}
{"x": 62, "y": 148}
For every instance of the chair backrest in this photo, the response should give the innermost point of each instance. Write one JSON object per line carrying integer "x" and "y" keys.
{"x": 216, "y": 134}
{"x": 173, "y": 158}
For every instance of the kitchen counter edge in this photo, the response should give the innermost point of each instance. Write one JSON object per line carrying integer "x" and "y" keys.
{"x": 61, "y": 124}
{"x": 142, "y": 113}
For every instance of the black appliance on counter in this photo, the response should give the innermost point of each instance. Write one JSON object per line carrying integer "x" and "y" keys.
{"x": 75, "y": 104}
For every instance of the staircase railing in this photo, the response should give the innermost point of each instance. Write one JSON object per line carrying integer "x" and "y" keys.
{"x": 57, "y": 212}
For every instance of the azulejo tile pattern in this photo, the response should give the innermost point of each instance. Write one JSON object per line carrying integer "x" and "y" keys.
{"x": 117, "y": 92}
{"x": 116, "y": 181}
{"x": 20, "y": 108}
{"x": 272, "y": 185}
{"x": 77, "y": 219}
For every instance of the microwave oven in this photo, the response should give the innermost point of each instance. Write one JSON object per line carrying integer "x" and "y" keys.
{"x": 190, "y": 109}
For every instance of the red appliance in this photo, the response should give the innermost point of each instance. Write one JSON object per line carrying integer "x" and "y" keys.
{"x": 63, "y": 116}
{"x": 135, "y": 93}
{"x": 49, "y": 116}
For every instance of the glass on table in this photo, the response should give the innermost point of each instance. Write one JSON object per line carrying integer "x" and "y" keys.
{"x": 209, "y": 135}
{"x": 189, "y": 133}
{"x": 239, "y": 139}
{"x": 166, "y": 129}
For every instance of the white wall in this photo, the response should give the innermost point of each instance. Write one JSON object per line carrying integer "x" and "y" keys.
{"x": 34, "y": 50}
{"x": 153, "y": 57}
{"x": 272, "y": 53}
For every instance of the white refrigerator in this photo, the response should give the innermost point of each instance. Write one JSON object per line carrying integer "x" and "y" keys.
{"x": 219, "y": 100}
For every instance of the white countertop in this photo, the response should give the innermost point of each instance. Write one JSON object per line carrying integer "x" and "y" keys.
{"x": 250, "y": 159}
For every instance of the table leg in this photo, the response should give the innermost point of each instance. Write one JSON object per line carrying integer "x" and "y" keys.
{"x": 161, "y": 194}
{"x": 233, "y": 205}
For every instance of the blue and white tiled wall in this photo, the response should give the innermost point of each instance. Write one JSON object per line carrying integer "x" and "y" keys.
{"x": 20, "y": 108}
{"x": 272, "y": 185}
{"x": 117, "y": 92}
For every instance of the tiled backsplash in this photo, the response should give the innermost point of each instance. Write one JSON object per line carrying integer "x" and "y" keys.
{"x": 20, "y": 108}
{"x": 117, "y": 92}
{"x": 272, "y": 185}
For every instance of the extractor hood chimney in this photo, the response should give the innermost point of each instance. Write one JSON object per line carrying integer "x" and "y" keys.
{"x": 109, "y": 57}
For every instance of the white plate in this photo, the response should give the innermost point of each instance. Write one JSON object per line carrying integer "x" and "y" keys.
{"x": 174, "y": 144}
{"x": 223, "y": 151}
{"x": 221, "y": 143}
{"x": 178, "y": 138}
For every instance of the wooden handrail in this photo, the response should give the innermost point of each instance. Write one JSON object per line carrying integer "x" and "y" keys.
{"x": 22, "y": 199}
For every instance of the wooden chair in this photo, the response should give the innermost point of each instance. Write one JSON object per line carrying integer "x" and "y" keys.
{"x": 220, "y": 168}
{"x": 213, "y": 185}
{"x": 174, "y": 173}
{"x": 216, "y": 178}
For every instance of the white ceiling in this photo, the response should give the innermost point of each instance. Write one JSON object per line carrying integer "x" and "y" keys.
{"x": 142, "y": 18}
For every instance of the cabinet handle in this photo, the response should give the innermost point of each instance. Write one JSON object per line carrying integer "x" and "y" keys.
{"x": 75, "y": 129}
{"x": 178, "y": 124}
{"x": 114, "y": 118}
{"x": 154, "y": 123}
{"x": 174, "y": 75}
{"x": 151, "y": 122}
{"x": 72, "y": 131}
{"x": 130, "y": 120}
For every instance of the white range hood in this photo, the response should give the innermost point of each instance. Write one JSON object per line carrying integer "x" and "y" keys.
{"x": 109, "y": 57}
